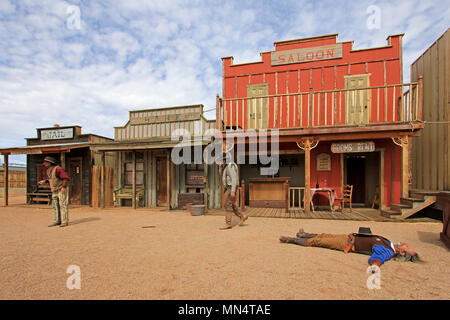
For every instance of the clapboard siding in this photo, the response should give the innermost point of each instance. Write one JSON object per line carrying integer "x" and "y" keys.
{"x": 430, "y": 151}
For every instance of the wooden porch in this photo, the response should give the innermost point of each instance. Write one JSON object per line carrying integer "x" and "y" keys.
{"x": 357, "y": 214}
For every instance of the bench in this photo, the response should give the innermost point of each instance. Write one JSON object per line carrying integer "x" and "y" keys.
{"x": 41, "y": 193}
{"x": 124, "y": 193}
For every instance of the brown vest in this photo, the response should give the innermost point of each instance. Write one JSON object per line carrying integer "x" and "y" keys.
{"x": 364, "y": 244}
{"x": 55, "y": 182}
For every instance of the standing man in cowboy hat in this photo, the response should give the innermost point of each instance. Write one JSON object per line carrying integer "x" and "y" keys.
{"x": 230, "y": 181}
{"x": 59, "y": 181}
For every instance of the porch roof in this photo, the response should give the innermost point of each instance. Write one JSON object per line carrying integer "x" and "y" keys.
{"x": 44, "y": 148}
{"x": 145, "y": 144}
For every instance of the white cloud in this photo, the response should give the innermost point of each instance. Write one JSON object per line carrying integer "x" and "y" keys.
{"x": 141, "y": 54}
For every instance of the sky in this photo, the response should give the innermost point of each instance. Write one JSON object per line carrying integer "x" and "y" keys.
{"x": 88, "y": 63}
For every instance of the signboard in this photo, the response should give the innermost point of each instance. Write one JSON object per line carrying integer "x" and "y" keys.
{"x": 353, "y": 147}
{"x": 323, "y": 162}
{"x": 56, "y": 134}
{"x": 333, "y": 51}
{"x": 195, "y": 177}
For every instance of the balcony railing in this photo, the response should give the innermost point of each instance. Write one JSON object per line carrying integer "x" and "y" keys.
{"x": 388, "y": 104}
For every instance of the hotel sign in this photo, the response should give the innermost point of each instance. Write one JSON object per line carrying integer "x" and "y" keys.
{"x": 353, "y": 147}
{"x": 333, "y": 51}
{"x": 56, "y": 134}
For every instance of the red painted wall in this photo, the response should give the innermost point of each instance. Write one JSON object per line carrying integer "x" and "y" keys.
{"x": 383, "y": 63}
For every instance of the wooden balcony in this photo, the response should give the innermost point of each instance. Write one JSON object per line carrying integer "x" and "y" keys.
{"x": 379, "y": 108}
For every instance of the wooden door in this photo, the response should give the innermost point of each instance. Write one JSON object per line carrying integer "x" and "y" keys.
{"x": 357, "y": 102}
{"x": 161, "y": 183}
{"x": 74, "y": 170}
{"x": 257, "y": 109}
{"x": 356, "y": 176}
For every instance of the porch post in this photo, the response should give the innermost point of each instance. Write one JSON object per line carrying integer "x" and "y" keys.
{"x": 307, "y": 144}
{"x": 403, "y": 143}
{"x": 307, "y": 202}
{"x": 133, "y": 180}
{"x": 405, "y": 167}
{"x": 5, "y": 178}
{"x": 168, "y": 188}
{"x": 63, "y": 159}
{"x": 103, "y": 179}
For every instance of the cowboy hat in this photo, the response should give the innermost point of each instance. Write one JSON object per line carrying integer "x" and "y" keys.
{"x": 50, "y": 159}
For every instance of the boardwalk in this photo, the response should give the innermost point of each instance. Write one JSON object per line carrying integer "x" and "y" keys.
{"x": 357, "y": 214}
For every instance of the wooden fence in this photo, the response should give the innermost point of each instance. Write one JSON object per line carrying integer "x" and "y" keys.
{"x": 16, "y": 178}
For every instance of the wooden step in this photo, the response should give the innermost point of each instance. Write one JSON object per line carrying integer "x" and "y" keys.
{"x": 40, "y": 200}
{"x": 399, "y": 206}
{"x": 410, "y": 201}
{"x": 418, "y": 205}
{"x": 390, "y": 213}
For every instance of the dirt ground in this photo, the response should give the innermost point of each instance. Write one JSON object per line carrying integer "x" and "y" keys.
{"x": 188, "y": 257}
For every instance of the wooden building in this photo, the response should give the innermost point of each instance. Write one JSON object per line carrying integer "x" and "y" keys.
{"x": 430, "y": 152}
{"x": 341, "y": 117}
{"x": 73, "y": 150}
{"x": 146, "y": 176}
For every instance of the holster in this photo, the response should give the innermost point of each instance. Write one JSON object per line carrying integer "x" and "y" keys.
{"x": 350, "y": 244}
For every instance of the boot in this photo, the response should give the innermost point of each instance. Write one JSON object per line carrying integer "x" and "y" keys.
{"x": 64, "y": 225}
{"x": 299, "y": 241}
{"x": 302, "y": 234}
{"x": 244, "y": 217}
{"x": 225, "y": 227}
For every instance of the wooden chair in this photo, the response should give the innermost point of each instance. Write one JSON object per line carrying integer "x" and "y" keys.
{"x": 346, "y": 197}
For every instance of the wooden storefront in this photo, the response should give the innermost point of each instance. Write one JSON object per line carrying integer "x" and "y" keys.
{"x": 340, "y": 116}
{"x": 146, "y": 176}
{"x": 71, "y": 148}
{"x": 430, "y": 152}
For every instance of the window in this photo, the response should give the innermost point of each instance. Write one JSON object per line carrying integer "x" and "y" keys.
{"x": 128, "y": 169}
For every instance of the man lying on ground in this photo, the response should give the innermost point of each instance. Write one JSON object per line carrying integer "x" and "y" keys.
{"x": 379, "y": 248}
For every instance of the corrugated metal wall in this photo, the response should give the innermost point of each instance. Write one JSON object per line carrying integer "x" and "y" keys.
{"x": 430, "y": 152}
{"x": 144, "y": 124}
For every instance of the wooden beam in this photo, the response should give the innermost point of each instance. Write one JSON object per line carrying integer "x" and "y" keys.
{"x": 5, "y": 178}
{"x": 218, "y": 117}
{"x": 405, "y": 167}
{"x": 103, "y": 179}
{"x": 133, "y": 180}
{"x": 63, "y": 159}
{"x": 410, "y": 128}
{"x": 307, "y": 203}
{"x": 168, "y": 188}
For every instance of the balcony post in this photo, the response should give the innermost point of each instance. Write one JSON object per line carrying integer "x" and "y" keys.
{"x": 218, "y": 118}
{"x": 420, "y": 102}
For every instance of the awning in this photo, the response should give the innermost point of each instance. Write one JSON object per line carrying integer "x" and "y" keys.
{"x": 146, "y": 144}
{"x": 47, "y": 148}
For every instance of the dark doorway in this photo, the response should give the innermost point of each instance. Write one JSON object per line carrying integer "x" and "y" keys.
{"x": 74, "y": 170}
{"x": 161, "y": 183}
{"x": 356, "y": 176}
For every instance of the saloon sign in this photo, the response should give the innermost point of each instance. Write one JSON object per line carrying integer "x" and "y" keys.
{"x": 333, "y": 51}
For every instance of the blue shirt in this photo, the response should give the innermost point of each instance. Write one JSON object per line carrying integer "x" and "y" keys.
{"x": 381, "y": 253}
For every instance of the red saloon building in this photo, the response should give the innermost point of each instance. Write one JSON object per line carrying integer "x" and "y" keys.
{"x": 341, "y": 117}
